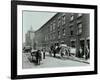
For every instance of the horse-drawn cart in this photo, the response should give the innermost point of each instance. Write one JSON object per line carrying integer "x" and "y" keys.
{"x": 27, "y": 49}
{"x": 33, "y": 55}
{"x": 63, "y": 50}
{"x": 72, "y": 51}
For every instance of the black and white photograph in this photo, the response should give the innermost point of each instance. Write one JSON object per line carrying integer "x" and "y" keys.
{"x": 53, "y": 39}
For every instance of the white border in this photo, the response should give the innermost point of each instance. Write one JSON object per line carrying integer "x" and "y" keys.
{"x": 21, "y": 71}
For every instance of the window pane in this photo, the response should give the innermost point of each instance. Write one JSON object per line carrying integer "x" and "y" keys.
{"x": 80, "y": 14}
{"x": 72, "y": 43}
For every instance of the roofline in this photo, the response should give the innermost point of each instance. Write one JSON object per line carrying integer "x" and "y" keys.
{"x": 47, "y": 22}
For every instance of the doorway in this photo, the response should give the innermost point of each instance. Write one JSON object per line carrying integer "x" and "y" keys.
{"x": 88, "y": 43}
{"x": 82, "y": 45}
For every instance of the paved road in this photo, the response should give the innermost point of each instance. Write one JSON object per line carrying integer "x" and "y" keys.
{"x": 50, "y": 62}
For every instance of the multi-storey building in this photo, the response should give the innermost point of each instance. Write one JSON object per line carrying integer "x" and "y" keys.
{"x": 68, "y": 28}
{"x": 29, "y": 38}
{"x": 79, "y": 31}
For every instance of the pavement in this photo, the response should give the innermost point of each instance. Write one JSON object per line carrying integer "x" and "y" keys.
{"x": 51, "y": 61}
{"x": 79, "y": 59}
{"x": 72, "y": 57}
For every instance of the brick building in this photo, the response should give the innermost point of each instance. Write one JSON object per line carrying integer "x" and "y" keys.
{"x": 68, "y": 28}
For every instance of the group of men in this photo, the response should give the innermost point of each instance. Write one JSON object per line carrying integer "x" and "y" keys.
{"x": 40, "y": 54}
{"x": 83, "y": 52}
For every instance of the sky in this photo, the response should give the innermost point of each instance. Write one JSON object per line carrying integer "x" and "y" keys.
{"x": 35, "y": 19}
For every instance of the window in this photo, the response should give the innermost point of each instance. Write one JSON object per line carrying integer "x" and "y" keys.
{"x": 59, "y": 22}
{"x": 58, "y": 34}
{"x": 73, "y": 44}
{"x": 71, "y": 32}
{"x": 79, "y": 15}
{"x": 51, "y": 27}
{"x": 54, "y": 24}
{"x": 79, "y": 28}
{"x": 45, "y": 38}
{"x": 50, "y": 36}
{"x": 53, "y": 36}
{"x": 63, "y": 19}
{"x": 72, "y": 17}
{"x": 63, "y": 32}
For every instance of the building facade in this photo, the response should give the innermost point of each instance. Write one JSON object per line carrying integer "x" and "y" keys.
{"x": 29, "y": 38}
{"x": 72, "y": 29}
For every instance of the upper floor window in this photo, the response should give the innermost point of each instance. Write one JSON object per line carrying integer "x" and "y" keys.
{"x": 45, "y": 38}
{"x": 51, "y": 27}
{"x": 79, "y": 28}
{"x": 53, "y": 36}
{"x": 54, "y": 25}
{"x": 72, "y": 17}
{"x": 63, "y": 31}
{"x": 63, "y": 19}
{"x": 58, "y": 34}
{"x": 79, "y": 15}
{"x": 50, "y": 36}
{"x": 71, "y": 32}
{"x": 59, "y": 22}
{"x": 73, "y": 44}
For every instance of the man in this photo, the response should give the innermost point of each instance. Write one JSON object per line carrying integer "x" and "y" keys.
{"x": 43, "y": 50}
{"x": 38, "y": 57}
{"x": 53, "y": 50}
{"x": 86, "y": 52}
{"x": 80, "y": 52}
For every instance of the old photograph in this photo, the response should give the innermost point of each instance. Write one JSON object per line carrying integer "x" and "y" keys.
{"x": 55, "y": 39}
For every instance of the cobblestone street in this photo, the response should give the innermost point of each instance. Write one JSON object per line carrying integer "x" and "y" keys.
{"x": 50, "y": 62}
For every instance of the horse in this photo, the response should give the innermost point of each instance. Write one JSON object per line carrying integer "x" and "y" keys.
{"x": 63, "y": 51}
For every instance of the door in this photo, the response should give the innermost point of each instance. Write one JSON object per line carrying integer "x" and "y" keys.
{"x": 82, "y": 44}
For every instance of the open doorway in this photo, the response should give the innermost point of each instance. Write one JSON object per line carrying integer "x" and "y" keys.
{"x": 82, "y": 45}
{"x": 88, "y": 43}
